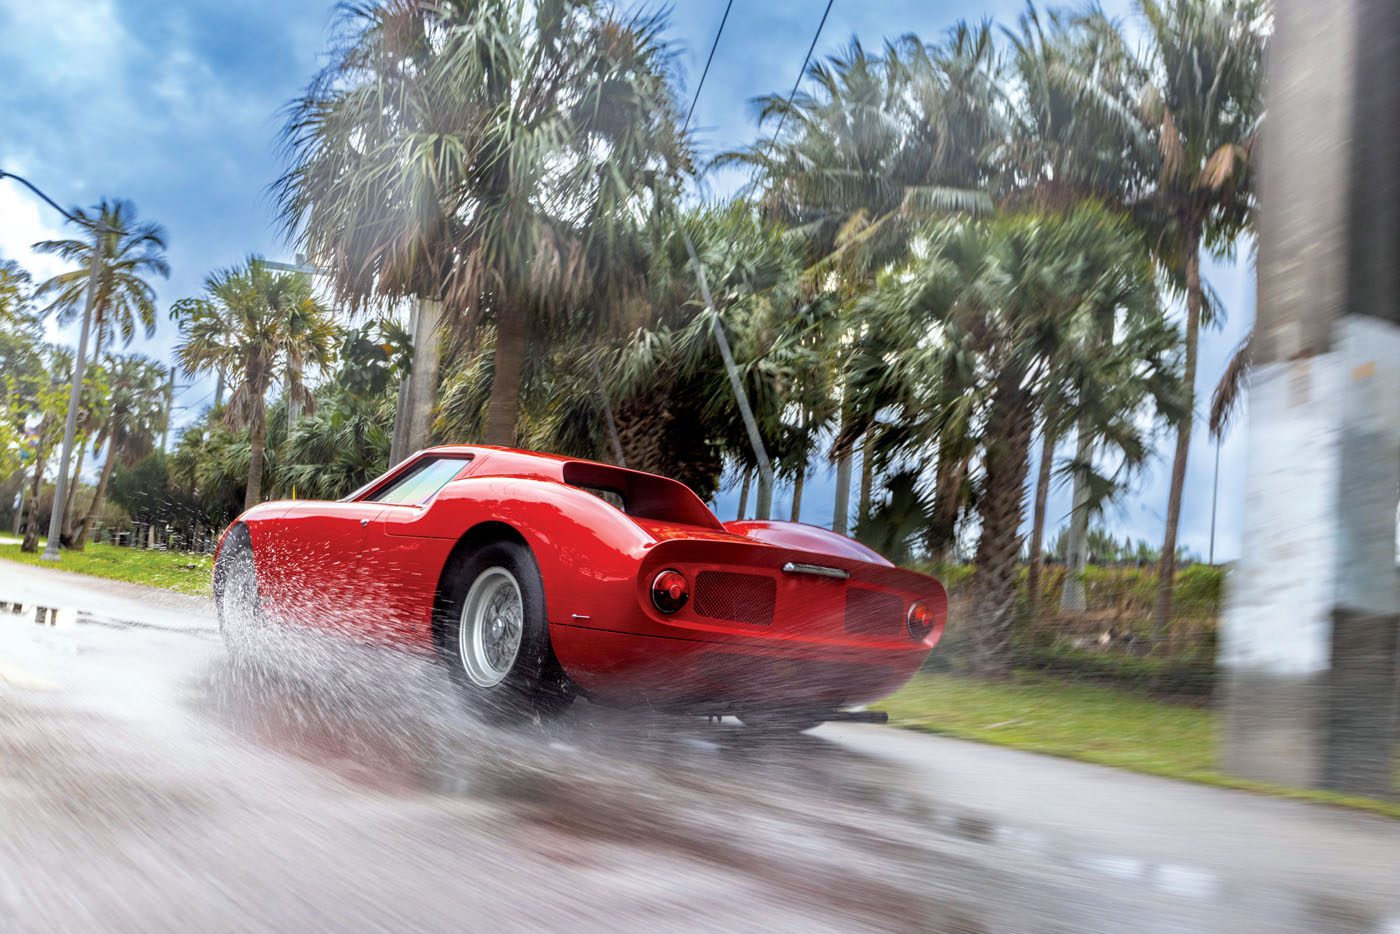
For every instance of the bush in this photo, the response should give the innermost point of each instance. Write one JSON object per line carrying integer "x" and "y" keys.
{"x": 1178, "y": 676}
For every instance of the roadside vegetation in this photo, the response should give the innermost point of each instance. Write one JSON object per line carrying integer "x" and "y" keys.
{"x": 171, "y": 570}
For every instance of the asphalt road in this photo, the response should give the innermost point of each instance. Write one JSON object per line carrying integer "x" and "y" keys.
{"x": 149, "y": 783}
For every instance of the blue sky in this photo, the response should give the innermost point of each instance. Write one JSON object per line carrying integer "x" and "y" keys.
{"x": 177, "y": 107}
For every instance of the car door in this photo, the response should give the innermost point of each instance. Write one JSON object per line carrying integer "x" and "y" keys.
{"x": 308, "y": 571}
{"x": 401, "y": 565}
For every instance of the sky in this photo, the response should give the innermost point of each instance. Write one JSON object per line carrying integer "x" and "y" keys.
{"x": 177, "y": 107}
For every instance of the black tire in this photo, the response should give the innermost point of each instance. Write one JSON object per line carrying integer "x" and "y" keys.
{"x": 780, "y": 722}
{"x": 236, "y": 597}
{"x": 534, "y": 686}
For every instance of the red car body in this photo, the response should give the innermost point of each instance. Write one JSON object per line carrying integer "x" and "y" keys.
{"x": 779, "y": 614}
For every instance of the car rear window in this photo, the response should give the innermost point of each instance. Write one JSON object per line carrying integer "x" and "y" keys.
{"x": 419, "y": 482}
{"x": 641, "y": 495}
{"x": 611, "y": 497}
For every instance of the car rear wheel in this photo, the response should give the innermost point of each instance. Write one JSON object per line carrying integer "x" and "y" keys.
{"x": 493, "y": 635}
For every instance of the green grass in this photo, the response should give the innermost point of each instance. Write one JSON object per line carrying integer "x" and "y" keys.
{"x": 1089, "y": 723}
{"x": 186, "y": 573}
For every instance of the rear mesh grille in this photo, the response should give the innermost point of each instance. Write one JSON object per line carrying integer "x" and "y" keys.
{"x": 741, "y": 598}
{"x": 873, "y": 612}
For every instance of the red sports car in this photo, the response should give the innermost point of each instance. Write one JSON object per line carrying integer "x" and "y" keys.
{"x": 538, "y": 578}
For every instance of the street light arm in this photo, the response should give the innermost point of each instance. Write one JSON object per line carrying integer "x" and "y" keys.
{"x": 81, "y": 221}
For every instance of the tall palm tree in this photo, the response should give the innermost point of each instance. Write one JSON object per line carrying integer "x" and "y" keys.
{"x": 134, "y": 421}
{"x": 131, "y": 251}
{"x": 1203, "y": 106}
{"x": 266, "y": 327}
{"x": 1066, "y": 68}
{"x": 94, "y": 406}
{"x": 494, "y": 156}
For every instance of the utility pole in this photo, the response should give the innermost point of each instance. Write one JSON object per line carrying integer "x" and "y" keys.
{"x": 169, "y": 409}
{"x": 765, "y": 467}
{"x": 1214, "y": 500}
{"x": 1308, "y": 639}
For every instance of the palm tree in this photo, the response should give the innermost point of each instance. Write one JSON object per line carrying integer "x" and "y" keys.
{"x": 94, "y": 404}
{"x": 46, "y": 391}
{"x": 664, "y": 384}
{"x": 266, "y": 327}
{"x": 878, "y": 146}
{"x": 1011, "y": 303}
{"x": 495, "y": 157}
{"x": 1066, "y": 70}
{"x": 131, "y": 251}
{"x": 1228, "y": 396}
{"x": 21, "y": 333}
{"x": 134, "y": 421}
{"x": 1203, "y": 107}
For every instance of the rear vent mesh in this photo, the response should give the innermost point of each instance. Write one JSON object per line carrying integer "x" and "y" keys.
{"x": 740, "y": 598}
{"x": 873, "y": 612}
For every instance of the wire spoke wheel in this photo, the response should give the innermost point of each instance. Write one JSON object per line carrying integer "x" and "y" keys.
{"x": 492, "y": 626}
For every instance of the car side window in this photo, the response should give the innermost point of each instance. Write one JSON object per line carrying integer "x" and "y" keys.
{"x": 421, "y": 482}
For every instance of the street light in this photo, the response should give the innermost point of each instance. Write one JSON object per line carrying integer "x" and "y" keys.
{"x": 70, "y": 425}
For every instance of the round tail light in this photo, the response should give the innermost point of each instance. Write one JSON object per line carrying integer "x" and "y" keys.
{"x": 669, "y": 591}
{"x": 920, "y": 621}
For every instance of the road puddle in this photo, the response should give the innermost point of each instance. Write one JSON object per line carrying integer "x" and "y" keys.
{"x": 53, "y": 617}
{"x": 64, "y": 617}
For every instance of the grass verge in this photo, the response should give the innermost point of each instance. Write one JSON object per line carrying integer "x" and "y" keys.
{"x": 173, "y": 570}
{"x": 1089, "y": 723}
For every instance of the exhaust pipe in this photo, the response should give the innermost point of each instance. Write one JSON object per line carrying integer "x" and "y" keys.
{"x": 857, "y": 716}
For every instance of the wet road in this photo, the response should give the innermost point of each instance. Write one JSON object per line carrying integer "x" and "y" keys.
{"x": 149, "y": 783}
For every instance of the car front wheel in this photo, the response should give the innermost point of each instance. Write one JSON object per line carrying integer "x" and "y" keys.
{"x": 236, "y": 598}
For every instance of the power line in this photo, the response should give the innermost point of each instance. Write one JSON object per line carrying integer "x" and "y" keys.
{"x": 714, "y": 45}
{"x": 187, "y": 387}
{"x": 801, "y": 73}
{"x": 185, "y": 408}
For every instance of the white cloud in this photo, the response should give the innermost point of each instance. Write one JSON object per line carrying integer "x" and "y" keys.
{"x": 25, "y": 220}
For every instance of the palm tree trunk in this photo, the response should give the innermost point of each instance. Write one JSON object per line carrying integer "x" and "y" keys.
{"x": 427, "y": 362}
{"x": 1009, "y": 427}
{"x": 947, "y": 487}
{"x": 744, "y": 494}
{"x": 68, "y": 518}
{"x": 502, "y": 411}
{"x": 99, "y": 501}
{"x": 1042, "y": 498}
{"x": 219, "y": 389}
{"x": 1072, "y": 596}
{"x": 841, "y": 511}
{"x": 31, "y": 530}
{"x": 867, "y": 477}
{"x": 1166, "y": 571}
{"x": 257, "y": 440}
{"x": 1072, "y": 599}
{"x": 797, "y": 485}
